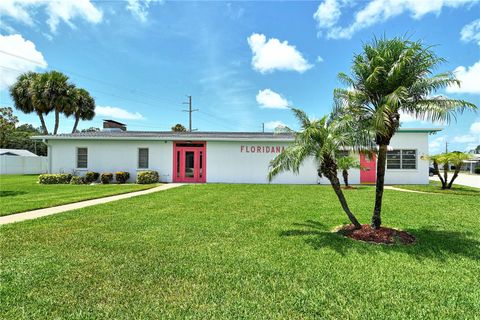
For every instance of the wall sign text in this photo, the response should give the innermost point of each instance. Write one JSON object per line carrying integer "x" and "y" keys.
{"x": 261, "y": 149}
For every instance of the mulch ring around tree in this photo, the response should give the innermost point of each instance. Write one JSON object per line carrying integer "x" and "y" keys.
{"x": 383, "y": 235}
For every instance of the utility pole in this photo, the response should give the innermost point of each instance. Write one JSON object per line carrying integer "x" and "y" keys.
{"x": 446, "y": 147}
{"x": 190, "y": 110}
{"x": 263, "y": 127}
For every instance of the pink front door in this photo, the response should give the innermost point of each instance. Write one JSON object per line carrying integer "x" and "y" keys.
{"x": 189, "y": 162}
{"x": 369, "y": 166}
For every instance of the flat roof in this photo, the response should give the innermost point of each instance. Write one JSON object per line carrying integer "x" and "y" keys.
{"x": 191, "y": 136}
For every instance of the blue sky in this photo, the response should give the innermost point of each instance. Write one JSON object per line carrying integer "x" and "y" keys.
{"x": 242, "y": 62}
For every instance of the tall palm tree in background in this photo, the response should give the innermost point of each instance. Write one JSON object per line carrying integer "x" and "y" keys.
{"x": 391, "y": 77}
{"x": 53, "y": 92}
{"x": 82, "y": 108}
{"x": 323, "y": 140}
{"x": 22, "y": 92}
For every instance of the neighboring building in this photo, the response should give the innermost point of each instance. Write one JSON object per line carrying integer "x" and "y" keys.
{"x": 17, "y": 161}
{"x": 17, "y": 152}
{"x": 229, "y": 157}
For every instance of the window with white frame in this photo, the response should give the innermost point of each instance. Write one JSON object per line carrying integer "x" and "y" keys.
{"x": 402, "y": 159}
{"x": 82, "y": 158}
{"x": 143, "y": 158}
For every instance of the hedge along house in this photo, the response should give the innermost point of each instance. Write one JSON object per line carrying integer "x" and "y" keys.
{"x": 228, "y": 157}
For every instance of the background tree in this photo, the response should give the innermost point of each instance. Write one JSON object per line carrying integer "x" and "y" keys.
{"x": 22, "y": 95}
{"x": 391, "y": 77}
{"x": 179, "y": 128}
{"x": 19, "y": 137}
{"x": 51, "y": 91}
{"x": 345, "y": 164}
{"x": 323, "y": 140}
{"x": 82, "y": 108}
{"x": 7, "y": 125}
{"x": 91, "y": 129}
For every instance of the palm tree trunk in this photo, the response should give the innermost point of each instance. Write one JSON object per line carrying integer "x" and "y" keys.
{"x": 77, "y": 119}
{"x": 435, "y": 166}
{"x": 42, "y": 122}
{"x": 57, "y": 121}
{"x": 455, "y": 175}
{"x": 445, "y": 175}
{"x": 329, "y": 170}
{"x": 345, "y": 177}
{"x": 381, "y": 163}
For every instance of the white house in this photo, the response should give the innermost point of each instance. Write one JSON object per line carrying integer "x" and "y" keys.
{"x": 228, "y": 157}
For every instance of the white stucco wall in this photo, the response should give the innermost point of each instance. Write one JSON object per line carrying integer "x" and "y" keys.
{"x": 111, "y": 156}
{"x": 419, "y": 142}
{"x": 227, "y": 163}
{"x": 226, "y": 160}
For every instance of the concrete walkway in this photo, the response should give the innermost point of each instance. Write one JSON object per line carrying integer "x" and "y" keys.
{"x": 406, "y": 190}
{"x": 28, "y": 215}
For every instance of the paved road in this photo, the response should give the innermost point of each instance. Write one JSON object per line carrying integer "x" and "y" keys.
{"x": 463, "y": 179}
{"x": 28, "y": 215}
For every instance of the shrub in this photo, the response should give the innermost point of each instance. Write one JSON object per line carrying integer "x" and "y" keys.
{"x": 144, "y": 177}
{"x": 91, "y": 176}
{"x": 106, "y": 177}
{"x": 54, "y": 178}
{"x": 477, "y": 170}
{"x": 122, "y": 176}
{"x": 77, "y": 180}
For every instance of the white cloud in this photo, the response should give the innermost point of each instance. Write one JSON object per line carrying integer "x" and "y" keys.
{"x": 319, "y": 59}
{"x": 56, "y": 10}
{"x": 139, "y": 8}
{"x": 10, "y": 66}
{"x": 272, "y": 125}
{"x": 406, "y": 117}
{"x": 475, "y": 127}
{"x": 471, "y": 32}
{"x": 273, "y": 54}
{"x": 436, "y": 145}
{"x": 118, "y": 113}
{"x": 270, "y": 99}
{"x": 464, "y": 138}
{"x": 471, "y": 146}
{"x": 469, "y": 78}
{"x": 328, "y": 13}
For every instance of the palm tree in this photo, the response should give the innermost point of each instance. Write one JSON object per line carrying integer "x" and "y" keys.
{"x": 391, "y": 77}
{"x": 345, "y": 164}
{"x": 322, "y": 140}
{"x": 179, "y": 128}
{"x": 83, "y": 107}
{"x": 22, "y": 91}
{"x": 52, "y": 92}
{"x": 454, "y": 158}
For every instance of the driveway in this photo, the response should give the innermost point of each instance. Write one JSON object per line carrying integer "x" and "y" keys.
{"x": 469, "y": 180}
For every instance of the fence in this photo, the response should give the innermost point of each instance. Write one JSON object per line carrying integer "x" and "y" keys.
{"x": 23, "y": 165}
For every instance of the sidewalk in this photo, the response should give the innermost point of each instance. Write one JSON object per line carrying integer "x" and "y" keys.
{"x": 469, "y": 180}
{"x": 28, "y": 215}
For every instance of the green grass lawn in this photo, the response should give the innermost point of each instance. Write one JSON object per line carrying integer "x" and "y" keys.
{"x": 243, "y": 251}
{"x": 20, "y": 193}
{"x": 436, "y": 187}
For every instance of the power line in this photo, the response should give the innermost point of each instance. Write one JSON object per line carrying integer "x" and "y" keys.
{"x": 190, "y": 110}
